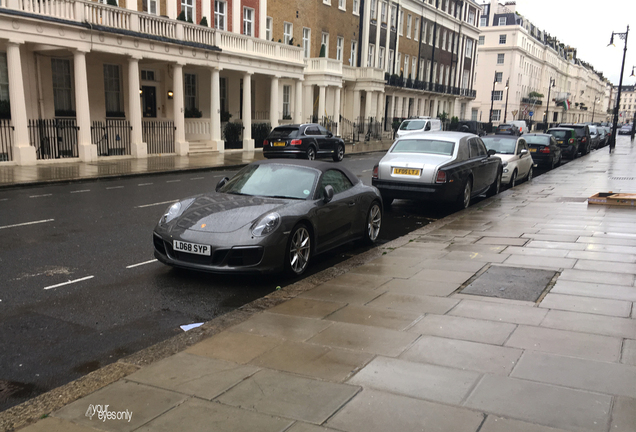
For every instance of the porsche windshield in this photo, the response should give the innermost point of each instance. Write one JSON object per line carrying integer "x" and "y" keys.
{"x": 424, "y": 146}
{"x": 273, "y": 180}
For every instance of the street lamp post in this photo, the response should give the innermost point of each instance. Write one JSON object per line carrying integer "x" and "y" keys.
{"x": 634, "y": 120}
{"x": 596, "y": 100}
{"x": 622, "y": 36}
{"x": 492, "y": 101}
{"x": 547, "y": 105}
{"x": 506, "y": 108}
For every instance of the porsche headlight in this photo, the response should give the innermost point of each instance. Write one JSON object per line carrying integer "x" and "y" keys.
{"x": 266, "y": 225}
{"x": 175, "y": 210}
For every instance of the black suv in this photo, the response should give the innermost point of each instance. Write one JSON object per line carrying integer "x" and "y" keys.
{"x": 471, "y": 126}
{"x": 583, "y": 137}
{"x": 507, "y": 129}
{"x": 305, "y": 141}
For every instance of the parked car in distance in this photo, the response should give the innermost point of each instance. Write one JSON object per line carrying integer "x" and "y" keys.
{"x": 604, "y": 135}
{"x": 419, "y": 124}
{"x": 582, "y": 136}
{"x": 471, "y": 126}
{"x": 515, "y": 155}
{"x": 595, "y": 137}
{"x": 272, "y": 215}
{"x": 626, "y": 129}
{"x": 521, "y": 124}
{"x": 566, "y": 140}
{"x": 507, "y": 129}
{"x": 544, "y": 149}
{"x": 306, "y": 141}
{"x": 440, "y": 166}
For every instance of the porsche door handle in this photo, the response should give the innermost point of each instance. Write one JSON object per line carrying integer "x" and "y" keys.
{"x": 352, "y": 203}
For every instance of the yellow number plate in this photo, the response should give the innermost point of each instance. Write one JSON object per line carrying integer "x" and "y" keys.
{"x": 278, "y": 144}
{"x": 406, "y": 171}
{"x": 533, "y": 150}
{"x": 559, "y": 142}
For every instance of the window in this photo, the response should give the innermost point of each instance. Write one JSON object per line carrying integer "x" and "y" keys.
{"x": 327, "y": 2}
{"x": 413, "y": 69}
{"x": 288, "y": 32}
{"x": 223, "y": 94}
{"x": 248, "y": 21}
{"x": 500, "y": 58}
{"x": 444, "y": 39}
{"x": 416, "y": 30}
{"x": 4, "y": 78}
{"x": 502, "y": 21}
{"x": 496, "y": 115}
{"x": 502, "y": 39}
{"x": 62, "y": 87}
{"x": 187, "y": 8}
{"x": 394, "y": 17}
{"x": 269, "y": 26}
{"x": 342, "y": 4}
{"x": 149, "y": 6}
{"x": 336, "y": 179}
{"x": 306, "y": 41}
{"x": 437, "y": 37}
{"x": 401, "y": 22}
{"x": 424, "y": 29}
{"x": 406, "y": 66}
{"x": 286, "y": 101}
{"x": 325, "y": 41}
{"x": 190, "y": 91}
{"x": 371, "y": 59}
{"x": 372, "y": 15}
{"x": 498, "y": 77}
{"x": 398, "y": 61}
{"x": 471, "y": 17}
{"x": 482, "y": 40}
{"x": 381, "y": 58}
{"x": 430, "y": 35}
{"x": 473, "y": 114}
{"x": 113, "y": 91}
{"x": 497, "y": 95}
{"x": 483, "y": 21}
{"x": 389, "y": 66}
{"x": 147, "y": 75}
{"x": 354, "y": 53}
{"x": 339, "y": 46}
{"x": 408, "y": 26}
{"x": 469, "y": 48}
{"x": 421, "y": 74}
{"x": 383, "y": 13}
{"x": 220, "y": 8}
{"x": 356, "y": 7}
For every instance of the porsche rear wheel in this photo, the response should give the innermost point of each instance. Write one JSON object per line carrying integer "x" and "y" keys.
{"x": 298, "y": 251}
{"x": 373, "y": 223}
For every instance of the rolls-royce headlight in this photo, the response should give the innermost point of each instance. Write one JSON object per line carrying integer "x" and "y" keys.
{"x": 267, "y": 224}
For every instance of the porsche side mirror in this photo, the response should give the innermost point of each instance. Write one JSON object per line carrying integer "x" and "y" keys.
{"x": 327, "y": 194}
{"x": 492, "y": 152}
{"x": 221, "y": 183}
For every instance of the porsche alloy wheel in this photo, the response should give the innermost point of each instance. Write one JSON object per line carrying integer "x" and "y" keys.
{"x": 374, "y": 223}
{"x": 299, "y": 250}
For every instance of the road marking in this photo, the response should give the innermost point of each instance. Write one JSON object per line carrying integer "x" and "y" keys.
{"x": 367, "y": 170}
{"x": 156, "y": 204}
{"x": 114, "y": 187}
{"x": 172, "y": 181}
{"x": 69, "y": 282}
{"x": 80, "y": 191}
{"x": 27, "y": 223}
{"x": 4, "y": 199}
{"x": 140, "y": 264}
{"x": 38, "y": 196}
{"x": 144, "y": 184}
{"x": 197, "y": 178}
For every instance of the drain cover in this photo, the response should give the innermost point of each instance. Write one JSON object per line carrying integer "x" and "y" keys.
{"x": 511, "y": 283}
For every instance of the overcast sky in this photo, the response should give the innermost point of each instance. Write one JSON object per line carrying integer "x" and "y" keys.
{"x": 588, "y": 25}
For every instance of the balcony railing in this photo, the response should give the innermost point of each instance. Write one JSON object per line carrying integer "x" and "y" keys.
{"x": 323, "y": 65}
{"x": 97, "y": 14}
{"x": 397, "y": 81}
{"x": 531, "y": 101}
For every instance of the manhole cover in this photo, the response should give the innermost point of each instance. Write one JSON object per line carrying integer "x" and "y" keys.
{"x": 511, "y": 283}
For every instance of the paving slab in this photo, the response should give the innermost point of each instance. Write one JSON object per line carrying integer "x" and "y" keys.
{"x": 197, "y": 415}
{"x": 551, "y": 237}
{"x": 590, "y": 323}
{"x": 341, "y": 294}
{"x": 615, "y": 267}
{"x": 388, "y": 271}
{"x": 502, "y": 241}
{"x": 282, "y": 326}
{"x": 366, "y": 339}
{"x": 463, "y": 355}
{"x": 464, "y": 328}
{"x": 599, "y": 306}
{"x": 193, "y": 375}
{"x": 395, "y": 260}
{"x": 603, "y": 377}
{"x": 422, "y": 244}
{"x": 607, "y": 241}
{"x": 307, "y": 427}
{"x": 482, "y": 257}
{"x": 481, "y": 248}
{"x": 234, "y": 347}
{"x": 602, "y": 256}
{"x": 611, "y": 249}
{"x": 289, "y": 396}
{"x": 500, "y": 424}
{"x": 582, "y": 345}
{"x": 307, "y": 308}
{"x": 315, "y": 361}
{"x": 548, "y": 405}
{"x": 375, "y": 317}
{"x": 540, "y": 261}
{"x": 602, "y": 277}
{"x": 499, "y": 312}
{"x": 629, "y": 352}
{"x": 555, "y": 245}
{"x": 416, "y": 253}
{"x": 442, "y": 275}
{"x": 414, "y": 303}
{"x": 467, "y": 265}
{"x": 375, "y": 411}
{"x": 144, "y": 402}
{"x": 357, "y": 280}
{"x": 52, "y": 424}
{"x": 417, "y": 286}
{"x": 623, "y": 415}
{"x": 418, "y": 380}
{"x": 535, "y": 251}
{"x": 615, "y": 292}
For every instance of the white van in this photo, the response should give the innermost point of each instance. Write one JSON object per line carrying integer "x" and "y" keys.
{"x": 419, "y": 124}
{"x": 521, "y": 125}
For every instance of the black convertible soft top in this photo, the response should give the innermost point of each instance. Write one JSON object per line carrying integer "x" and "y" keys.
{"x": 319, "y": 165}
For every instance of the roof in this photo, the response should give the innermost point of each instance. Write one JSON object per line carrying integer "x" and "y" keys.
{"x": 321, "y": 166}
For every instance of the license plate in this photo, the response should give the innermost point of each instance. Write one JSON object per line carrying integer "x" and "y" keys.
{"x": 406, "y": 171}
{"x": 560, "y": 142}
{"x": 192, "y": 248}
{"x": 279, "y": 144}
{"x": 533, "y": 150}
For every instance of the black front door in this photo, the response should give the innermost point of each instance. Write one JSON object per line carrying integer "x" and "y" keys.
{"x": 149, "y": 99}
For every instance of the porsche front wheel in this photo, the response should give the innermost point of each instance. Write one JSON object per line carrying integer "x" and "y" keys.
{"x": 298, "y": 251}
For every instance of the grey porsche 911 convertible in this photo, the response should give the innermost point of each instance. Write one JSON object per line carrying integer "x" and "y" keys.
{"x": 272, "y": 215}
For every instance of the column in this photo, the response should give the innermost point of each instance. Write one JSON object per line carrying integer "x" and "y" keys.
{"x": 207, "y": 11}
{"x": 380, "y": 107}
{"x": 215, "y": 111}
{"x": 273, "y": 102}
{"x": 308, "y": 111}
{"x": 367, "y": 109}
{"x": 181, "y": 146}
{"x": 87, "y": 150}
{"x": 248, "y": 142}
{"x": 322, "y": 93}
{"x": 356, "y": 107}
{"x": 23, "y": 152}
{"x": 138, "y": 148}
{"x": 336, "y": 110}
{"x": 298, "y": 111}
{"x": 237, "y": 18}
{"x": 389, "y": 115}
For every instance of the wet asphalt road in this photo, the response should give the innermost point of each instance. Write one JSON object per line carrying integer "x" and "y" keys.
{"x": 99, "y": 235}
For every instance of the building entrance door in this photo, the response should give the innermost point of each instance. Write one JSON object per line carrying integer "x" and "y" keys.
{"x": 149, "y": 96}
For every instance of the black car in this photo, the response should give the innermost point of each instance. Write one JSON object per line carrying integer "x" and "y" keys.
{"x": 507, "y": 129}
{"x": 566, "y": 140}
{"x": 626, "y": 129}
{"x": 471, "y": 126}
{"x": 544, "y": 149}
{"x": 305, "y": 141}
{"x": 272, "y": 215}
{"x": 583, "y": 138}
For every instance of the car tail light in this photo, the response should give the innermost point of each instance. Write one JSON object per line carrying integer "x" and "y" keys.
{"x": 441, "y": 177}
{"x": 265, "y": 143}
{"x": 296, "y": 142}
{"x": 571, "y": 141}
{"x": 584, "y": 140}
{"x": 375, "y": 172}
{"x": 545, "y": 150}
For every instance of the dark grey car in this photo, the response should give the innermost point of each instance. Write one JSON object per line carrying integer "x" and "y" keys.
{"x": 271, "y": 216}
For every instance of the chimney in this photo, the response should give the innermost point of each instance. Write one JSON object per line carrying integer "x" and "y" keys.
{"x": 511, "y": 6}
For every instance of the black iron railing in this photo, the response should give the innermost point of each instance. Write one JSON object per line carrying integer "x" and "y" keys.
{"x": 112, "y": 137}
{"x": 330, "y": 124}
{"x": 349, "y": 130}
{"x": 158, "y": 136}
{"x": 54, "y": 138}
{"x": 6, "y": 140}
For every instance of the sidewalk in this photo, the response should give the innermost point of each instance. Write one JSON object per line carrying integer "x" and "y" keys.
{"x": 116, "y": 166}
{"x": 390, "y": 343}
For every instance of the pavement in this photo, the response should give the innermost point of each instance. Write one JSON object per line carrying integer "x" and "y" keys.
{"x": 392, "y": 341}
